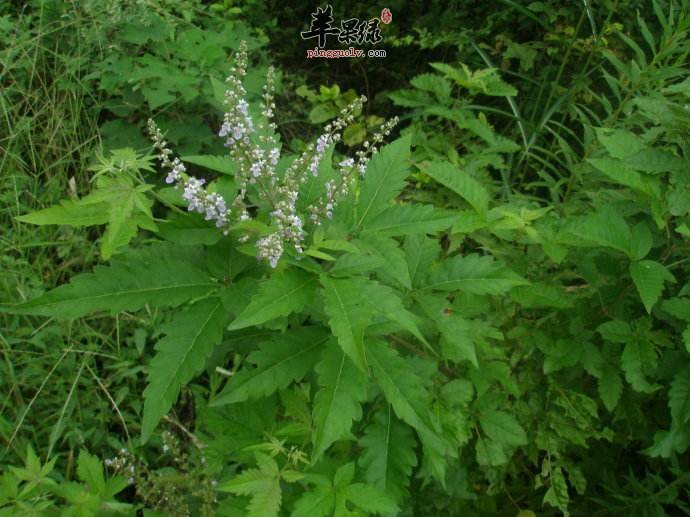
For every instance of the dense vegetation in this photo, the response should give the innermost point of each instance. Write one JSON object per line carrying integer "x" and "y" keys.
{"x": 264, "y": 296}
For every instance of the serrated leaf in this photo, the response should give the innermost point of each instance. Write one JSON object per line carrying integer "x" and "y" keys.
{"x": 557, "y": 494}
{"x": 385, "y": 179}
{"x": 395, "y": 269}
{"x": 606, "y": 227}
{"x": 619, "y": 143}
{"x": 541, "y": 295}
{"x": 623, "y": 175}
{"x": 189, "y": 230}
{"x": 338, "y": 401}
{"x": 370, "y": 499}
{"x": 215, "y": 163}
{"x": 649, "y": 277}
{"x": 432, "y": 83}
{"x": 405, "y": 392}
{"x": 502, "y": 428}
{"x": 285, "y": 292}
{"x": 279, "y": 361}
{"x": 72, "y": 213}
{"x": 462, "y": 184}
{"x": 388, "y": 455}
{"x": 610, "y": 387}
{"x": 409, "y": 219}
{"x": 679, "y": 398}
{"x": 318, "y": 502}
{"x": 181, "y": 354}
{"x": 421, "y": 252}
{"x": 159, "y": 276}
{"x": 122, "y": 227}
{"x": 474, "y": 274}
{"x": 638, "y": 355}
{"x": 90, "y": 471}
{"x": 615, "y": 331}
{"x": 348, "y": 316}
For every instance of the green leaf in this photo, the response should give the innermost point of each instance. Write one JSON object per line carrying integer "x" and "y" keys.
{"x": 388, "y": 454}
{"x": 385, "y": 179}
{"x": 73, "y": 213}
{"x": 474, "y": 274}
{"x": 649, "y": 277}
{"x": 679, "y": 398}
{"x": 615, "y": 331}
{"x": 90, "y": 471}
{"x": 122, "y": 227}
{"x": 619, "y": 143}
{"x": 189, "y": 230}
{"x": 261, "y": 484}
{"x": 215, "y": 163}
{"x": 338, "y": 401}
{"x": 159, "y": 276}
{"x": 318, "y": 502}
{"x": 279, "y": 361}
{"x": 462, "y": 184}
{"x": 385, "y": 301}
{"x": 610, "y": 387}
{"x": 181, "y": 354}
{"x": 623, "y": 175}
{"x": 395, "y": 269}
{"x": 421, "y": 252}
{"x": 541, "y": 295}
{"x": 557, "y": 494}
{"x": 405, "y": 391}
{"x": 409, "y": 219}
{"x": 432, "y": 83}
{"x": 370, "y": 499}
{"x": 285, "y": 292}
{"x": 604, "y": 228}
{"x": 638, "y": 355}
{"x": 348, "y": 315}
{"x": 502, "y": 428}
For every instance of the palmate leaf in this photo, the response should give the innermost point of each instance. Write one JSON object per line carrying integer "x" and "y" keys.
{"x": 279, "y": 361}
{"x": 384, "y": 180}
{"x": 181, "y": 354}
{"x": 337, "y": 404}
{"x": 337, "y": 497}
{"x": 262, "y": 484}
{"x": 158, "y": 276}
{"x": 283, "y": 293}
{"x": 474, "y": 274}
{"x": 117, "y": 202}
{"x": 388, "y": 455}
